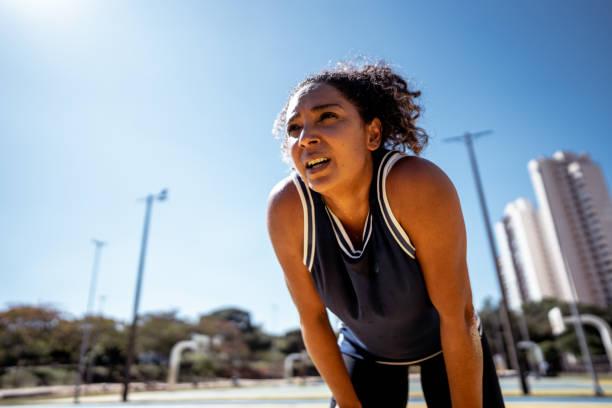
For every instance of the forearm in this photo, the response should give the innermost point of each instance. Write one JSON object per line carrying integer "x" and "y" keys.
{"x": 321, "y": 345}
{"x": 463, "y": 359}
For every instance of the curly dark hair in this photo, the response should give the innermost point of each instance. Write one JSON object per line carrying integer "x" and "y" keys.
{"x": 377, "y": 92}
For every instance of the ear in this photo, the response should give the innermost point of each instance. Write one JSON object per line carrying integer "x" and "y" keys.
{"x": 374, "y": 133}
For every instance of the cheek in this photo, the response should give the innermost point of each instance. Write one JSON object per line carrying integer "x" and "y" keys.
{"x": 294, "y": 153}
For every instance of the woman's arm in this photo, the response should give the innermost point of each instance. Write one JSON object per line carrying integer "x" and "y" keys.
{"x": 286, "y": 229}
{"x": 427, "y": 206}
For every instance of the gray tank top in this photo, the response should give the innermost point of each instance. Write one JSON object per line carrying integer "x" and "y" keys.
{"x": 377, "y": 291}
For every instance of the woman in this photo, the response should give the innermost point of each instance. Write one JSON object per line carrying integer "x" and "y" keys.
{"x": 377, "y": 237}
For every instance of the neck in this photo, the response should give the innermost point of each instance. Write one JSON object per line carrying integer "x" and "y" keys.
{"x": 351, "y": 203}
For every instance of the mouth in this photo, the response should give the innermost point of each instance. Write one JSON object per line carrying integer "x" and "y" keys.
{"x": 316, "y": 163}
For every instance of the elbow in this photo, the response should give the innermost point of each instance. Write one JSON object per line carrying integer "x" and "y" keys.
{"x": 314, "y": 327}
{"x": 461, "y": 317}
{"x": 470, "y": 316}
{"x": 315, "y": 320}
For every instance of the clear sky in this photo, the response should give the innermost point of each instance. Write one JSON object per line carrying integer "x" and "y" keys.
{"x": 103, "y": 102}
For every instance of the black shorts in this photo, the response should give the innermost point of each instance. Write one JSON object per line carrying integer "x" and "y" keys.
{"x": 382, "y": 385}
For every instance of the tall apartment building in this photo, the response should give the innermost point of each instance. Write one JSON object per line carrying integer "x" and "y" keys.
{"x": 526, "y": 269}
{"x": 576, "y": 221}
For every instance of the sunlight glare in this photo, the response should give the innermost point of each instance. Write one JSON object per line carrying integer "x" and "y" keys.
{"x": 45, "y": 11}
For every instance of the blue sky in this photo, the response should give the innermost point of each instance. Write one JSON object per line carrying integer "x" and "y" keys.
{"x": 102, "y": 102}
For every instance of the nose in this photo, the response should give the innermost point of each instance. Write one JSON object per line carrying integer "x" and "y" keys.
{"x": 308, "y": 137}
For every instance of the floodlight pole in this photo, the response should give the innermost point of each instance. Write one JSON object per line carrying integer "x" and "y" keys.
{"x": 143, "y": 251}
{"x": 468, "y": 139}
{"x": 86, "y": 325}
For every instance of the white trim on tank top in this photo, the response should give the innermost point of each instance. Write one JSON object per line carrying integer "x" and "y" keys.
{"x": 386, "y": 208}
{"x": 365, "y": 236}
{"x": 307, "y": 232}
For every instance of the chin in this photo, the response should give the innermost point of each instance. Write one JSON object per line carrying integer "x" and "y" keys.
{"x": 320, "y": 184}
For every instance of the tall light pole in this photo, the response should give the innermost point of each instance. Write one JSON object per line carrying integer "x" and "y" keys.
{"x": 161, "y": 196}
{"x": 87, "y": 325}
{"x": 468, "y": 139}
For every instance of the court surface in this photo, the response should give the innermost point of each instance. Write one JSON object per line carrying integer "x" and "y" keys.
{"x": 575, "y": 392}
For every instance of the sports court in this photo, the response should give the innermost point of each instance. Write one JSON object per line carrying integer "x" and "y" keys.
{"x": 575, "y": 392}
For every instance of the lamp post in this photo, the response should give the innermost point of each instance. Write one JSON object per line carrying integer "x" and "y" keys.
{"x": 86, "y": 325}
{"x": 161, "y": 196}
{"x": 468, "y": 139}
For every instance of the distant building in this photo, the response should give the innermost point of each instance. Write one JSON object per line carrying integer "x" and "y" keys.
{"x": 527, "y": 273}
{"x": 573, "y": 197}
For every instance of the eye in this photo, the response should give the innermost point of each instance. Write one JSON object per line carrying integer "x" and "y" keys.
{"x": 327, "y": 115}
{"x": 293, "y": 130}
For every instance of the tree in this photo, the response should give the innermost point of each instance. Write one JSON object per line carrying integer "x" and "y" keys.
{"x": 536, "y": 318}
{"x": 241, "y": 318}
{"x": 25, "y": 332}
{"x": 159, "y": 332}
{"x": 291, "y": 342}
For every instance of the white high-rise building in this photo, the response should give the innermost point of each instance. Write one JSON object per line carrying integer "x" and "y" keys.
{"x": 526, "y": 269}
{"x": 576, "y": 220}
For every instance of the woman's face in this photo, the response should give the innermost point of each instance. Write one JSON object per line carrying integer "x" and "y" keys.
{"x": 328, "y": 141}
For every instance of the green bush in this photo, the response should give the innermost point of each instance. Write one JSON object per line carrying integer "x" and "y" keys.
{"x": 53, "y": 375}
{"x": 151, "y": 372}
{"x": 18, "y": 377}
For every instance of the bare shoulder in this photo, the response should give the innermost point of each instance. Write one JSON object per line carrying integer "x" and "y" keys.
{"x": 285, "y": 214}
{"x": 423, "y": 200}
{"x": 284, "y": 201}
{"x": 418, "y": 181}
